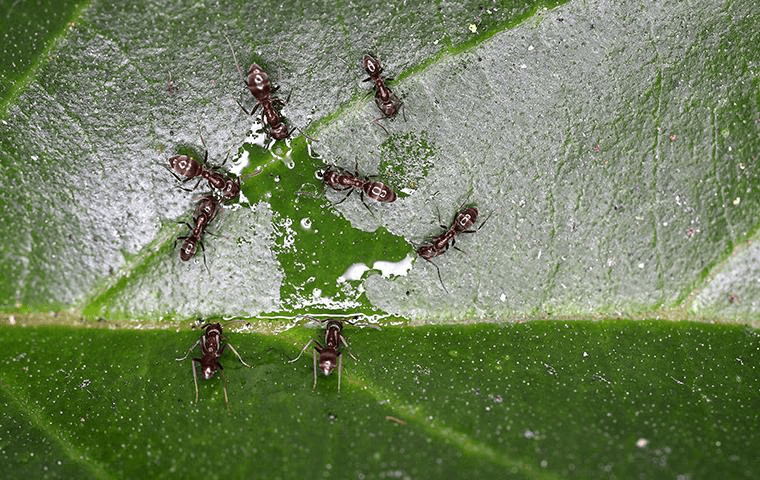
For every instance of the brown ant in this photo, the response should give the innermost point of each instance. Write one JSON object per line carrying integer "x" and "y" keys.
{"x": 212, "y": 347}
{"x": 339, "y": 179}
{"x": 205, "y": 212}
{"x": 328, "y": 354}
{"x": 463, "y": 220}
{"x": 261, "y": 88}
{"x": 387, "y": 101}
{"x": 191, "y": 168}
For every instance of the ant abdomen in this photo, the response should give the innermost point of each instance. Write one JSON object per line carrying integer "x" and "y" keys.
{"x": 186, "y": 166}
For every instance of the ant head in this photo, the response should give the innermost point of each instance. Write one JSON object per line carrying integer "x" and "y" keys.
{"x": 207, "y": 206}
{"x": 327, "y": 362}
{"x": 466, "y": 218}
{"x": 185, "y": 166}
{"x": 426, "y": 251}
{"x": 231, "y": 189}
{"x": 371, "y": 65}
{"x": 330, "y": 176}
{"x": 188, "y": 249}
{"x": 389, "y": 108}
{"x": 280, "y": 131}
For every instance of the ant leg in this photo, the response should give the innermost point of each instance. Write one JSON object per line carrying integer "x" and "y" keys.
{"x": 361, "y": 196}
{"x": 243, "y": 108}
{"x": 375, "y": 121}
{"x": 203, "y": 251}
{"x": 195, "y": 377}
{"x": 183, "y": 237}
{"x": 440, "y": 223}
{"x": 344, "y": 198}
{"x": 237, "y": 354}
{"x": 484, "y": 221}
{"x": 340, "y": 368}
{"x": 481, "y": 225}
{"x": 190, "y": 189}
{"x": 177, "y": 177}
{"x": 302, "y": 350}
{"x": 225, "y": 159}
{"x": 343, "y": 340}
{"x": 237, "y": 64}
{"x": 439, "y": 275}
{"x": 314, "y": 387}
{"x": 224, "y": 387}
{"x": 188, "y": 351}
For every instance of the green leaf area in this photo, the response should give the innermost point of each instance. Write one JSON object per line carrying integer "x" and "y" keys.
{"x": 537, "y": 400}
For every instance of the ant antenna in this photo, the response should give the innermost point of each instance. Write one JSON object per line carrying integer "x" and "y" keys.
{"x": 237, "y": 64}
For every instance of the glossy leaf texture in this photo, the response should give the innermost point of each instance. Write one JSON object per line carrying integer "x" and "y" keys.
{"x": 612, "y": 148}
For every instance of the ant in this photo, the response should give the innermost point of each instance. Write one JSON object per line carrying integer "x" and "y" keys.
{"x": 212, "y": 347}
{"x": 261, "y": 88}
{"x": 386, "y": 100}
{"x": 463, "y": 220}
{"x": 339, "y": 179}
{"x": 328, "y": 354}
{"x": 205, "y": 212}
{"x": 191, "y": 168}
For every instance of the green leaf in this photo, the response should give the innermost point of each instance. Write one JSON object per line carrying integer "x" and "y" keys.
{"x": 610, "y": 149}
{"x": 537, "y": 400}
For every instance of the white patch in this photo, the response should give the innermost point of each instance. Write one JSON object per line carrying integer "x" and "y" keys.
{"x": 394, "y": 268}
{"x": 642, "y": 442}
{"x": 258, "y": 136}
{"x": 306, "y": 223}
{"x": 354, "y": 272}
{"x": 240, "y": 164}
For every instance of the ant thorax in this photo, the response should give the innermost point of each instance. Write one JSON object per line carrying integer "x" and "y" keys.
{"x": 332, "y": 335}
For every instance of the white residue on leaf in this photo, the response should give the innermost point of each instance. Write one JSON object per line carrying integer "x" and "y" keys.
{"x": 257, "y": 136}
{"x": 287, "y": 232}
{"x": 386, "y": 269}
{"x": 239, "y": 164}
{"x": 394, "y": 268}
{"x": 354, "y": 272}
